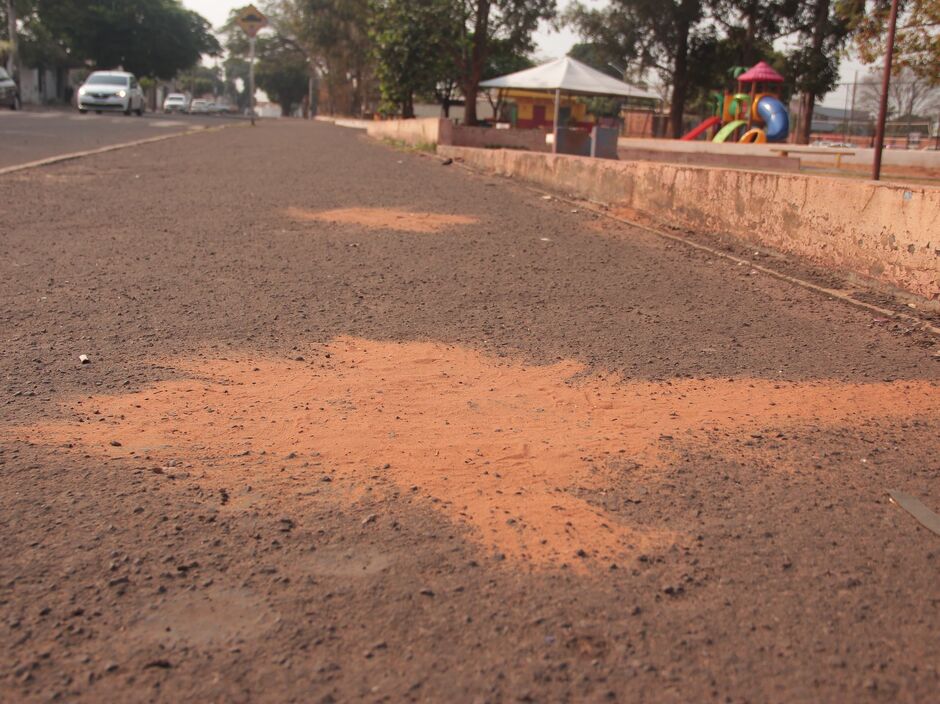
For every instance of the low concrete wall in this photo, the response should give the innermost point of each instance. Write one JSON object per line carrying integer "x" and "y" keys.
{"x": 923, "y": 159}
{"x": 491, "y": 138}
{"x": 734, "y": 161}
{"x": 889, "y": 234}
{"x": 420, "y": 131}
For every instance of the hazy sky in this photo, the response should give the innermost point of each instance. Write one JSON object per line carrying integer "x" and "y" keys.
{"x": 550, "y": 43}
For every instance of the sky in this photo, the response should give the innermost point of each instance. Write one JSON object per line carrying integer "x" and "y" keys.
{"x": 550, "y": 43}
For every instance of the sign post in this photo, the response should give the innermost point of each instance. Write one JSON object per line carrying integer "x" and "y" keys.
{"x": 251, "y": 21}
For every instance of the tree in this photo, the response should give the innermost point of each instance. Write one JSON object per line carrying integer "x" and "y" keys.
{"x": 658, "y": 34}
{"x": 750, "y": 27}
{"x": 909, "y": 95}
{"x": 481, "y": 23}
{"x": 202, "y": 80}
{"x": 412, "y": 40}
{"x": 147, "y": 37}
{"x": 503, "y": 58}
{"x": 282, "y": 70}
{"x": 916, "y": 42}
{"x": 813, "y": 65}
{"x": 338, "y": 32}
{"x": 235, "y": 70}
{"x": 281, "y": 73}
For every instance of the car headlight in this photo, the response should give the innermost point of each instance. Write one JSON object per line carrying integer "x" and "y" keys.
{"x": 122, "y": 94}
{"x": 82, "y": 90}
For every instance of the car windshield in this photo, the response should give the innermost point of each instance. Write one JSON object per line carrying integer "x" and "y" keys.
{"x": 175, "y": 97}
{"x": 98, "y": 80}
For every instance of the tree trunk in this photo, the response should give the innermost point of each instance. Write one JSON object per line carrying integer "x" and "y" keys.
{"x": 750, "y": 38}
{"x": 12, "y": 58}
{"x": 807, "y": 104}
{"x": 680, "y": 77}
{"x": 820, "y": 20}
{"x": 408, "y": 106}
{"x": 474, "y": 71}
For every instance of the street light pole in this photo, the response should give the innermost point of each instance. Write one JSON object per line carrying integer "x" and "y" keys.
{"x": 251, "y": 79}
{"x": 885, "y": 81}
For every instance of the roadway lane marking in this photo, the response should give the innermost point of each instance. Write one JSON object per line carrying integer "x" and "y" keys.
{"x": 165, "y": 123}
{"x": 110, "y": 148}
{"x": 33, "y": 115}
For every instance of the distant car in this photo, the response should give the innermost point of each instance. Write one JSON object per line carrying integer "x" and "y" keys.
{"x": 218, "y": 108}
{"x": 9, "y": 93}
{"x": 176, "y": 102}
{"x": 199, "y": 107}
{"x": 111, "y": 90}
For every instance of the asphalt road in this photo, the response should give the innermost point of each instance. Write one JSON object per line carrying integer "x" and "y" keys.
{"x": 31, "y": 135}
{"x": 357, "y": 426}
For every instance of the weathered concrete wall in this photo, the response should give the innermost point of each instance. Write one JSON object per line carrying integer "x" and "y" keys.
{"x": 422, "y": 130}
{"x": 734, "y": 161}
{"x": 891, "y": 157}
{"x": 886, "y": 233}
{"x": 490, "y": 137}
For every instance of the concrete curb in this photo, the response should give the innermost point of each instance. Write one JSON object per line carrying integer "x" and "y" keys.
{"x": 110, "y": 148}
{"x": 829, "y": 292}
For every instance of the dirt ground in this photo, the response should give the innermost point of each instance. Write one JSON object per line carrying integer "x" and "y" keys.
{"x": 361, "y": 427}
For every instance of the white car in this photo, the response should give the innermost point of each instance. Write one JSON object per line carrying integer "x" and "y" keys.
{"x": 199, "y": 106}
{"x": 176, "y": 102}
{"x": 111, "y": 90}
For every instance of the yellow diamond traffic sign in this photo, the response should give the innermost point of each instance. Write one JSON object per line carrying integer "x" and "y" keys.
{"x": 251, "y": 20}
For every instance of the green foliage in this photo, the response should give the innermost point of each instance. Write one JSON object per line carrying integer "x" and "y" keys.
{"x": 411, "y": 45}
{"x": 202, "y": 80}
{"x": 485, "y": 25}
{"x": 282, "y": 73}
{"x": 333, "y": 36}
{"x": 650, "y": 34}
{"x": 147, "y": 37}
{"x": 813, "y": 66}
{"x": 504, "y": 56}
{"x": 599, "y": 56}
{"x": 235, "y": 73}
{"x": 917, "y": 41}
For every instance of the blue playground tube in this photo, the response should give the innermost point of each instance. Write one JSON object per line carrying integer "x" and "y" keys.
{"x": 775, "y": 117}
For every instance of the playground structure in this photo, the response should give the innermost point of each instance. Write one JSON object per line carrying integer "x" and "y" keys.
{"x": 755, "y": 110}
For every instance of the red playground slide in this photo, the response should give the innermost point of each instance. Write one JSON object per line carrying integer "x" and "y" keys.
{"x": 704, "y": 125}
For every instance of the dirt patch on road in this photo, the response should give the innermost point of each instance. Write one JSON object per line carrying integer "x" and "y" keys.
{"x": 383, "y": 219}
{"x": 503, "y": 448}
{"x": 207, "y": 617}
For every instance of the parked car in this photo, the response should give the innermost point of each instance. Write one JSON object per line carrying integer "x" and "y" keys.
{"x": 9, "y": 93}
{"x": 111, "y": 90}
{"x": 199, "y": 106}
{"x": 176, "y": 102}
{"x": 218, "y": 108}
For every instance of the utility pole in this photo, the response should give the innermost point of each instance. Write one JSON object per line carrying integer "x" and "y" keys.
{"x": 251, "y": 78}
{"x": 251, "y": 21}
{"x": 885, "y": 82}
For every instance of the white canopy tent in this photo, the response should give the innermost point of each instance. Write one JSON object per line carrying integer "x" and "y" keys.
{"x": 569, "y": 75}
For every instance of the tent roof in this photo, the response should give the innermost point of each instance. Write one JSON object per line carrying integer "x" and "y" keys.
{"x": 569, "y": 75}
{"x": 761, "y": 72}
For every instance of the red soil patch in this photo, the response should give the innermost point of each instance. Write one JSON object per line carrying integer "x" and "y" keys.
{"x": 383, "y": 218}
{"x": 498, "y": 446}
